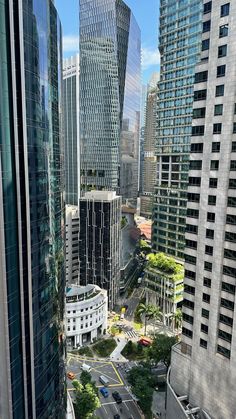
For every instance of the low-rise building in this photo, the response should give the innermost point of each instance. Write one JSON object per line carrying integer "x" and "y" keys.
{"x": 86, "y": 314}
{"x": 164, "y": 283}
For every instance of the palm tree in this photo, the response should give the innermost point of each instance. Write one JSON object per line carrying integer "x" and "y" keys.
{"x": 156, "y": 314}
{"x": 144, "y": 309}
{"x": 177, "y": 318}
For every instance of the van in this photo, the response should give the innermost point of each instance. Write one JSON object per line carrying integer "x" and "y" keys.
{"x": 104, "y": 380}
{"x": 86, "y": 367}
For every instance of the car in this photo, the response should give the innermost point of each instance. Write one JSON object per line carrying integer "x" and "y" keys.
{"x": 104, "y": 391}
{"x": 117, "y": 397}
{"x": 71, "y": 375}
{"x": 117, "y": 416}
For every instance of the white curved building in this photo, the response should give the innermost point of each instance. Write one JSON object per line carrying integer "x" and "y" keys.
{"x": 86, "y": 314}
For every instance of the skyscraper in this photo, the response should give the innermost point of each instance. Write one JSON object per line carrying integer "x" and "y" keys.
{"x": 99, "y": 250}
{"x": 71, "y": 128}
{"x": 149, "y": 174}
{"x": 203, "y": 368}
{"x": 179, "y": 45}
{"x": 110, "y": 91}
{"x": 31, "y": 212}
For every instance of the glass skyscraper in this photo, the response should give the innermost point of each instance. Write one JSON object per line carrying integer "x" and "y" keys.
{"x": 71, "y": 128}
{"x": 180, "y": 46}
{"x": 110, "y": 91}
{"x": 31, "y": 212}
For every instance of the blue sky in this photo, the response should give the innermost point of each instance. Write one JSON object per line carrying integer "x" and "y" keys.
{"x": 146, "y": 13}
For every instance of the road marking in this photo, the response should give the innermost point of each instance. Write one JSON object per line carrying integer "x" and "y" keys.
{"x": 104, "y": 404}
{"x": 90, "y": 360}
{"x": 105, "y": 409}
{"x": 126, "y": 405}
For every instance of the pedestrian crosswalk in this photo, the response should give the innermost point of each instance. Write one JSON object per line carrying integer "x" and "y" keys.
{"x": 131, "y": 333}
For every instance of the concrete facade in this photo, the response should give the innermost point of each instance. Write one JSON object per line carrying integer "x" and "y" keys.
{"x": 72, "y": 244}
{"x": 209, "y": 331}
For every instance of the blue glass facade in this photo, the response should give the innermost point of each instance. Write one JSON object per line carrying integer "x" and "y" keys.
{"x": 109, "y": 97}
{"x": 180, "y": 46}
{"x": 31, "y": 211}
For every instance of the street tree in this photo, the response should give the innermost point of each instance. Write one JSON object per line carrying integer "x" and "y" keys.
{"x": 160, "y": 350}
{"x": 86, "y": 400}
{"x": 177, "y": 318}
{"x": 144, "y": 393}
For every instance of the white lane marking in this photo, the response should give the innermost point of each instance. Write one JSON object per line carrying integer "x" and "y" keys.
{"x": 126, "y": 405}
{"x": 116, "y": 408}
{"x": 105, "y": 409}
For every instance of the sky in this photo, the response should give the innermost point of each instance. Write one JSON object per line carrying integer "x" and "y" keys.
{"x": 146, "y": 14}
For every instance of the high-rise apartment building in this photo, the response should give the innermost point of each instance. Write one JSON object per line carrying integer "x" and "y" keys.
{"x": 149, "y": 168}
{"x": 203, "y": 368}
{"x": 71, "y": 129}
{"x": 110, "y": 89}
{"x": 100, "y": 238}
{"x": 179, "y": 45}
{"x": 32, "y": 358}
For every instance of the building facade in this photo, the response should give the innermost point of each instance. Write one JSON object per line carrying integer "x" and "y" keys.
{"x": 71, "y": 129}
{"x": 100, "y": 238}
{"x": 109, "y": 97}
{"x": 86, "y": 314}
{"x": 203, "y": 365}
{"x": 179, "y": 45}
{"x": 72, "y": 244}
{"x": 149, "y": 150}
{"x": 32, "y": 344}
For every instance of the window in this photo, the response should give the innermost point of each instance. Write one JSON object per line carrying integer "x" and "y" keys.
{"x": 187, "y": 318}
{"x": 198, "y": 130}
{"x": 222, "y": 51}
{"x": 221, "y": 70}
{"x": 230, "y": 254}
{"x": 205, "y": 44}
{"x": 228, "y": 270}
{"x": 190, "y": 259}
{"x": 231, "y": 219}
{"x": 231, "y": 201}
{"x": 205, "y": 313}
{"x": 194, "y": 181}
{"x": 226, "y": 320}
{"x": 73, "y": 327}
{"x": 208, "y": 266}
{"x": 200, "y": 95}
{"x": 191, "y": 244}
{"x": 193, "y": 197}
{"x": 199, "y": 113}
{"x": 227, "y": 304}
{"x": 196, "y": 147}
{"x": 195, "y": 164}
{"x": 187, "y": 332}
{"x": 211, "y": 217}
{"x": 214, "y": 164}
{"x": 220, "y": 90}
{"x": 188, "y": 303}
{"x": 206, "y": 298}
{"x": 208, "y": 250}
{"x": 215, "y": 148}
{"x": 217, "y": 128}
{"x": 201, "y": 76}
{"x": 211, "y": 200}
{"x": 233, "y": 146}
{"x": 207, "y": 7}
{"x": 228, "y": 287}
{"x": 204, "y": 328}
{"x": 207, "y": 282}
{"x": 223, "y": 351}
{"x": 209, "y": 233}
{"x": 224, "y": 10}
{"x": 193, "y": 213}
{"x": 223, "y": 31}
{"x": 203, "y": 343}
{"x": 232, "y": 183}
{"x": 213, "y": 182}
{"x": 230, "y": 237}
{"x": 190, "y": 274}
{"x": 218, "y": 110}
{"x": 225, "y": 336}
{"x": 206, "y": 26}
{"x": 233, "y": 165}
{"x": 234, "y": 128}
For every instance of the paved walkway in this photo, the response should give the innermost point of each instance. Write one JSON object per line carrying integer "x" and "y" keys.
{"x": 116, "y": 354}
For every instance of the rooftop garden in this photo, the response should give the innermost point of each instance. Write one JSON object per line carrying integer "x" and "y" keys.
{"x": 166, "y": 264}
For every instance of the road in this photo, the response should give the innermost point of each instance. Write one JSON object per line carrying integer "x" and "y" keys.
{"x": 109, "y": 407}
{"x": 133, "y": 302}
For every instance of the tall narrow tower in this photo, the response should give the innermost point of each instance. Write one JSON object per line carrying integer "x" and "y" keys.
{"x": 32, "y": 378}
{"x": 203, "y": 367}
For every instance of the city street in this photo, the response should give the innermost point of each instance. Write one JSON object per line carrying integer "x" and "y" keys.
{"x": 132, "y": 302}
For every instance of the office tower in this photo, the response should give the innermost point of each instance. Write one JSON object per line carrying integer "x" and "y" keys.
{"x": 32, "y": 356}
{"x": 110, "y": 91}
{"x": 71, "y": 128}
{"x": 142, "y": 131}
{"x": 72, "y": 244}
{"x": 99, "y": 252}
{"x": 149, "y": 147}
{"x": 179, "y": 45}
{"x": 203, "y": 365}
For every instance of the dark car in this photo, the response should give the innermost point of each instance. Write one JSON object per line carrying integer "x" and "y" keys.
{"x": 116, "y": 416}
{"x": 116, "y": 396}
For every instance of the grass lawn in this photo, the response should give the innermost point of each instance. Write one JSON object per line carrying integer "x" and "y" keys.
{"x": 86, "y": 351}
{"x": 133, "y": 351}
{"x": 104, "y": 347}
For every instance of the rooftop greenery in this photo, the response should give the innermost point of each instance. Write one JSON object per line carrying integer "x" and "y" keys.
{"x": 166, "y": 264}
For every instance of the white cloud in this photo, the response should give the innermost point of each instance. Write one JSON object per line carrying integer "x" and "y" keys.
{"x": 70, "y": 43}
{"x": 150, "y": 57}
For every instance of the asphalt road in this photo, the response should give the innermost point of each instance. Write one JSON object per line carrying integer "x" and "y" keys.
{"x": 132, "y": 303}
{"x": 109, "y": 407}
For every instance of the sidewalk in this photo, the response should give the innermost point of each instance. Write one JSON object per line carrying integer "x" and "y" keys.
{"x": 116, "y": 354}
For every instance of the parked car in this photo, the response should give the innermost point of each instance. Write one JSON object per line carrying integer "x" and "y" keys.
{"x": 117, "y": 397}
{"x": 104, "y": 380}
{"x": 104, "y": 391}
{"x": 71, "y": 375}
{"x": 85, "y": 367}
{"x": 116, "y": 416}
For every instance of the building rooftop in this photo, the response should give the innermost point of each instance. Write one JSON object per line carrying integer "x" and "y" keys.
{"x": 100, "y": 196}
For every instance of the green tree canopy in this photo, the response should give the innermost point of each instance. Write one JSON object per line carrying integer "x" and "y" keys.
{"x": 85, "y": 378}
{"x": 160, "y": 350}
{"x": 141, "y": 381}
{"x": 86, "y": 399}
{"x": 165, "y": 263}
